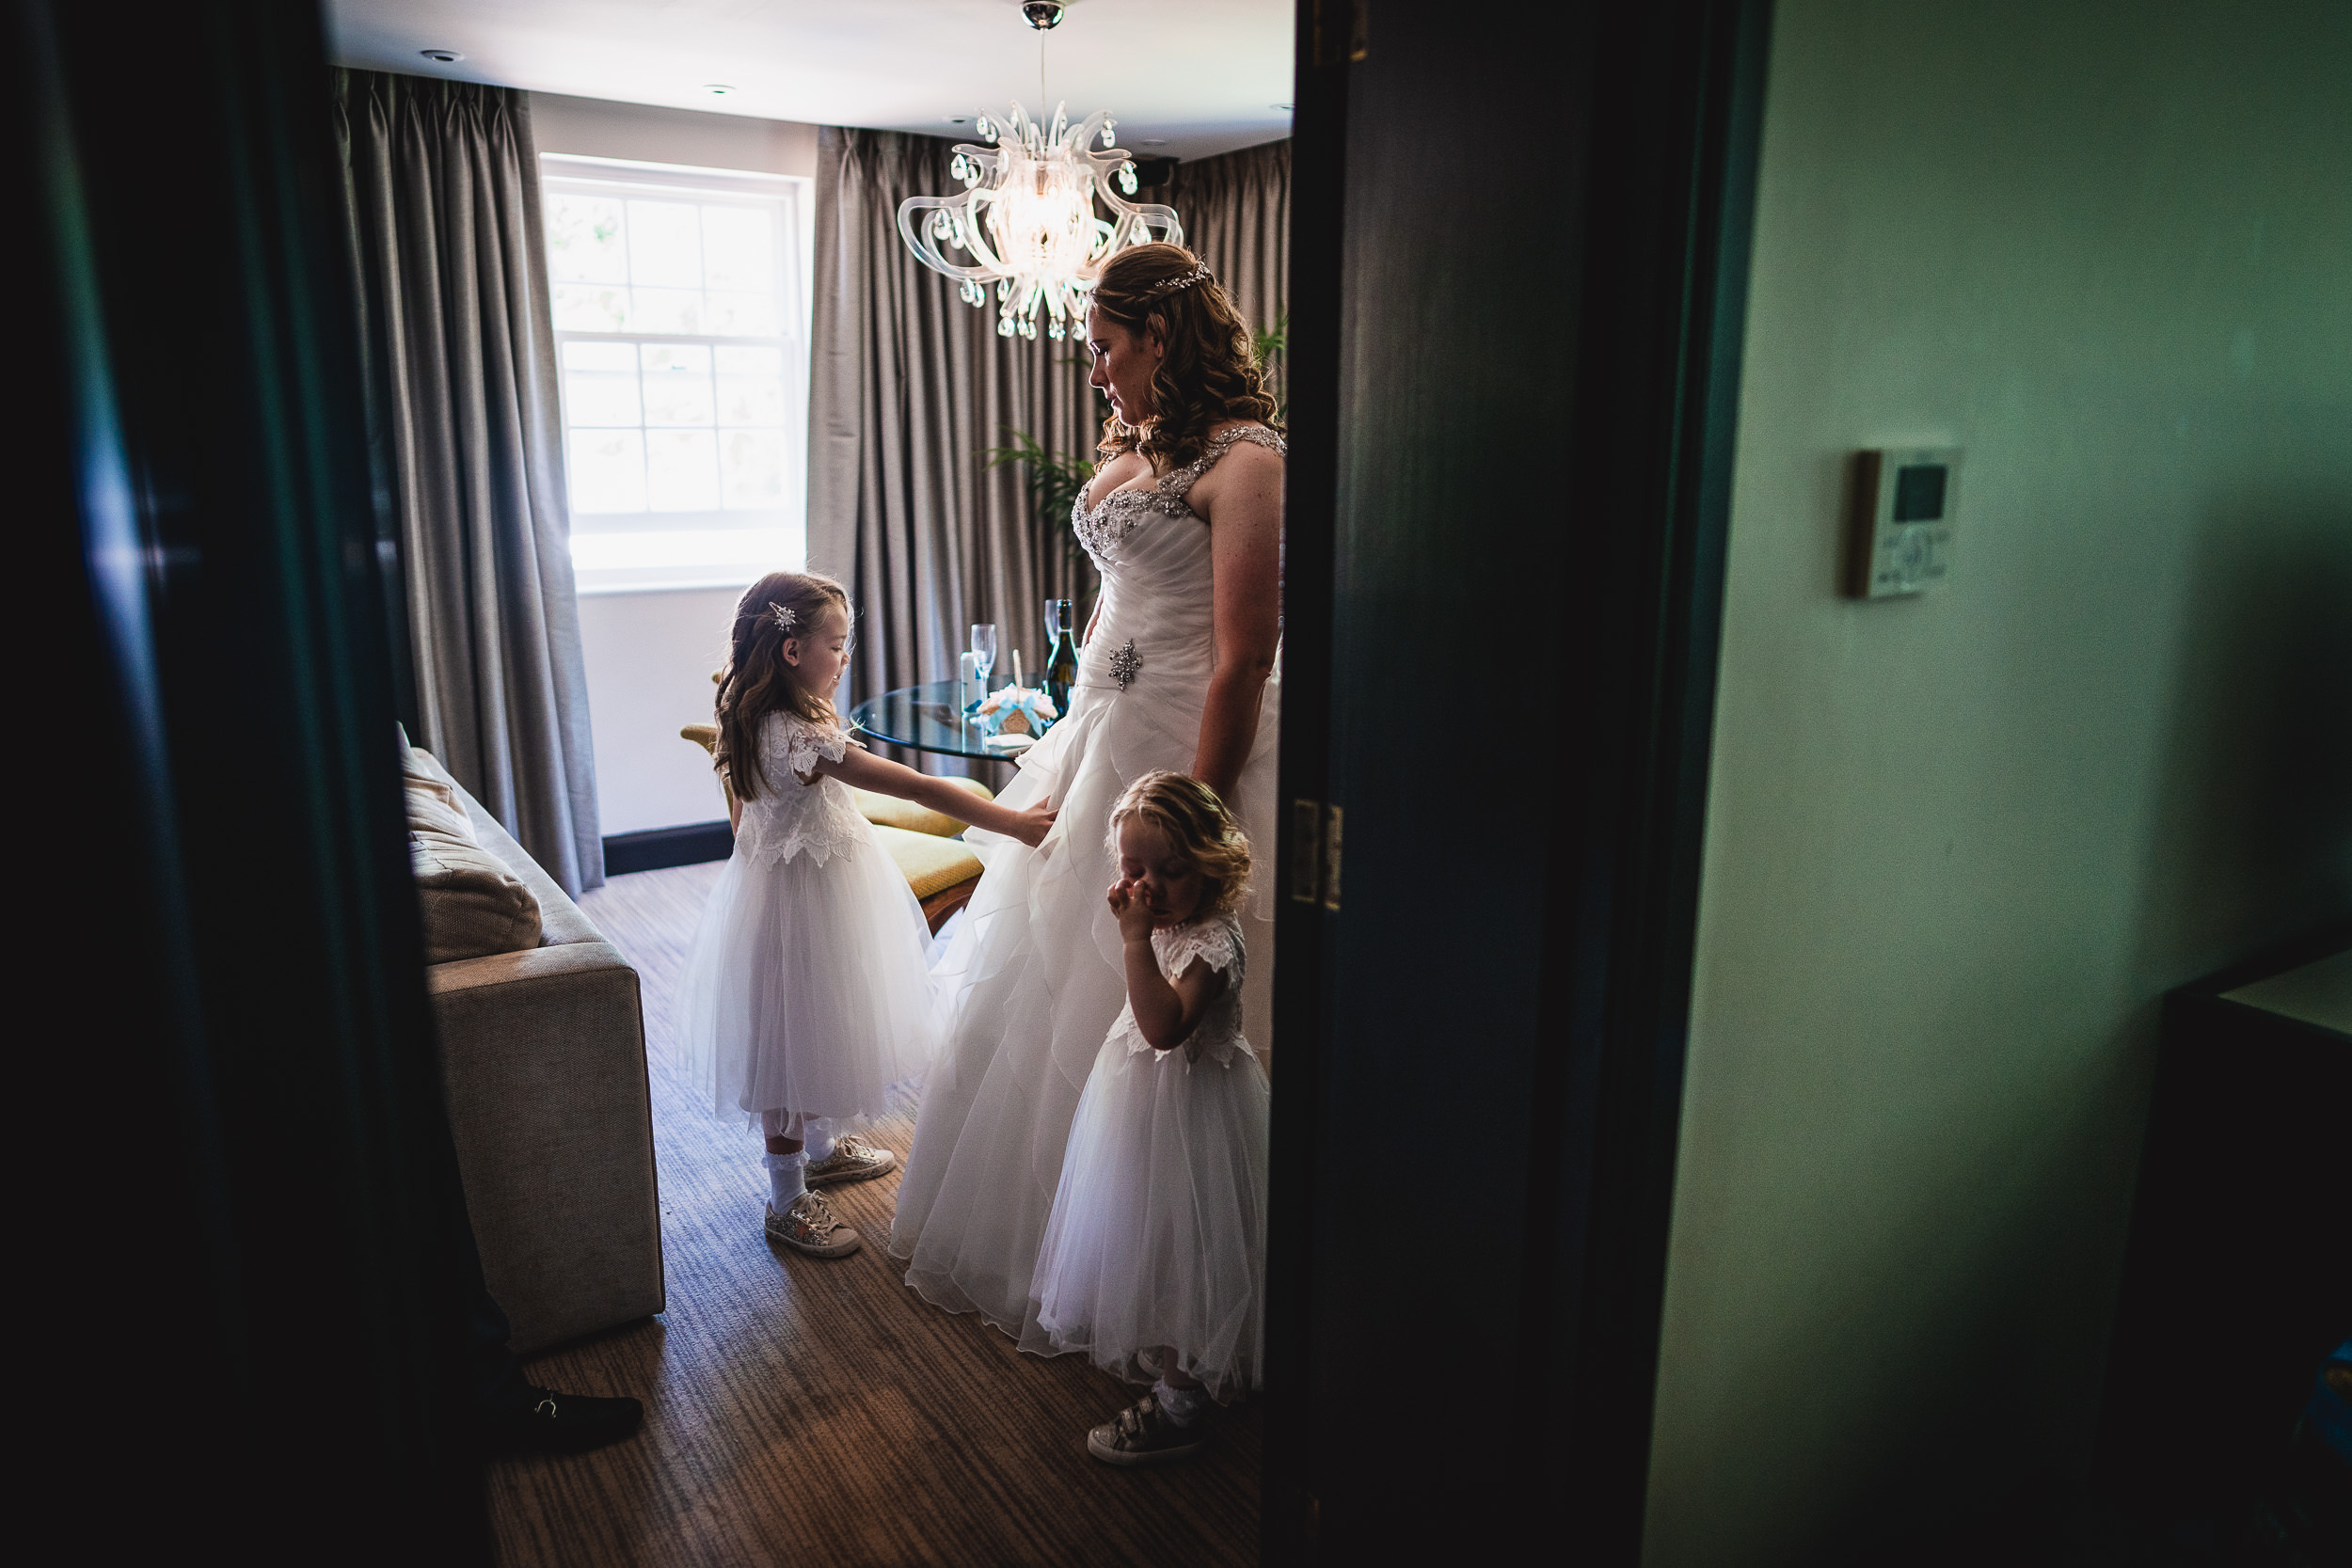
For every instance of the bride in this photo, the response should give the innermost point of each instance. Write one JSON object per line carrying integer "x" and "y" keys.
{"x": 1180, "y": 671}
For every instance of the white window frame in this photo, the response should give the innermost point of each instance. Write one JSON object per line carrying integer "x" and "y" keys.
{"x": 607, "y": 570}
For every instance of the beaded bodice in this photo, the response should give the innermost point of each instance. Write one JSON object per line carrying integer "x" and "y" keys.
{"x": 1157, "y": 622}
{"x": 1104, "y": 529}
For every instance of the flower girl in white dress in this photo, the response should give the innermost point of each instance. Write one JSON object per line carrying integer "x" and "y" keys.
{"x": 806, "y": 998}
{"x": 1154, "y": 1256}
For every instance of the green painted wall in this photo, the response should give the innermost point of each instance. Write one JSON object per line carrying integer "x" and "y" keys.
{"x": 1958, "y": 845}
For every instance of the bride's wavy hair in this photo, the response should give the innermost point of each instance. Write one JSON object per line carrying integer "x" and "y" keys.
{"x": 1211, "y": 374}
{"x": 757, "y": 682}
{"x": 1199, "y": 827}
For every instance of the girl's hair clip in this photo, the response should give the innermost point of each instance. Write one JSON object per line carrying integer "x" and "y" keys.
{"x": 784, "y": 617}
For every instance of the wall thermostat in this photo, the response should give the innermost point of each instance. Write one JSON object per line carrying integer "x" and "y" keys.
{"x": 1904, "y": 500}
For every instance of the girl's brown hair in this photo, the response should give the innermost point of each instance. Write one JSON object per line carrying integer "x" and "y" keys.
{"x": 1199, "y": 827}
{"x": 1211, "y": 374}
{"x": 757, "y": 681}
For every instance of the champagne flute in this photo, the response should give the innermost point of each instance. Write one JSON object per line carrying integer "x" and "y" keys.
{"x": 984, "y": 651}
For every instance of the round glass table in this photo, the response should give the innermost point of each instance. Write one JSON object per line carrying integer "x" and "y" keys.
{"x": 926, "y": 717}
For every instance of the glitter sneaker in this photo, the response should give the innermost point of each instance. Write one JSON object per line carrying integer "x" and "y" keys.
{"x": 809, "y": 1225}
{"x": 853, "y": 1160}
{"x": 1143, "y": 1434}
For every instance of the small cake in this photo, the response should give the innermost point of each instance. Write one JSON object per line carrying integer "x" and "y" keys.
{"x": 1017, "y": 710}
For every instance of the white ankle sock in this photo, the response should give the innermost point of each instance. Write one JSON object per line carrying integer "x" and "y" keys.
{"x": 819, "y": 1145}
{"x": 785, "y": 1173}
{"x": 1184, "y": 1405}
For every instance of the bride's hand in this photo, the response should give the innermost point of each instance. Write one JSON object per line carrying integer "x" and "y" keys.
{"x": 1032, "y": 826}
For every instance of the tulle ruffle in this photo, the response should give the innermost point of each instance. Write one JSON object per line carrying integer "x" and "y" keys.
{"x": 806, "y": 989}
{"x": 1158, "y": 1228}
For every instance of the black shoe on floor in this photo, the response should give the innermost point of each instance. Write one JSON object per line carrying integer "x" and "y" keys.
{"x": 540, "y": 1420}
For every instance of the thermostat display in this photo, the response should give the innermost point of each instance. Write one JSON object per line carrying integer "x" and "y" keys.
{"x": 1904, "y": 502}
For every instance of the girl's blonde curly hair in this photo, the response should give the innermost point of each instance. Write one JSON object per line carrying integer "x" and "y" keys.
{"x": 1211, "y": 374}
{"x": 1199, "y": 827}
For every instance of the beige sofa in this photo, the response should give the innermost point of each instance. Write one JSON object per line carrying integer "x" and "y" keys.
{"x": 542, "y": 1052}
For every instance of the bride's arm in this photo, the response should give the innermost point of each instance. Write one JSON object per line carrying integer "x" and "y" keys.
{"x": 1241, "y": 499}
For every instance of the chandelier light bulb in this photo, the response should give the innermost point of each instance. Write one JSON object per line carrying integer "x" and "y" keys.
{"x": 1027, "y": 220}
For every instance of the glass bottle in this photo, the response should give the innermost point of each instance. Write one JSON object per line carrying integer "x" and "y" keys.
{"x": 1061, "y": 659}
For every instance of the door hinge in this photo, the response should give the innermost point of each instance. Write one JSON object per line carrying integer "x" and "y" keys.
{"x": 1339, "y": 31}
{"x": 1316, "y": 844}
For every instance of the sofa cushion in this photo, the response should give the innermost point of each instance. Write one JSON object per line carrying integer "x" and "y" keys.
{"x": 929, "y": 863}
{"x": 891, "y": 811}
{"x": 471, "y": 904}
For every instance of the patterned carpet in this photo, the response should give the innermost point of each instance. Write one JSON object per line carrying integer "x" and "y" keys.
{"x": 810, "y": 1411}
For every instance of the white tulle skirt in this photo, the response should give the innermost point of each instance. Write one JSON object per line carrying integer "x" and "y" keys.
{"x": 806, "y": 989}
{"x": 1158, "y": 1231}
{"x": 1035, "y": 980}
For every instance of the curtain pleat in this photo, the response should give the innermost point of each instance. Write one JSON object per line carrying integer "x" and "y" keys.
{"x": 909, "y": 390}
{"x": 910, "y": 387}
{"x": 1236, "y": 211}
{"x": 442, "y": 199}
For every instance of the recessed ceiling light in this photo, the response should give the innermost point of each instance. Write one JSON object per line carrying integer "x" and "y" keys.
{"x": 717, "y": 90}
{"x": 445, "y": 57}
{"x": 1153, "y": 141}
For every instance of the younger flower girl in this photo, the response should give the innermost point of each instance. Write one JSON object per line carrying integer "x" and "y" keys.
{"x": 805, "y": 997}
{"x": 1155, "y": 1256}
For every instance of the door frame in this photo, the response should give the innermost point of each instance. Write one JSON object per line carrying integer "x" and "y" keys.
{"x": 1668, "y": 135}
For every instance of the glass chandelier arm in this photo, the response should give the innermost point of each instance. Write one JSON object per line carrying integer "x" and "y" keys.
{"x": 920, "y": 240}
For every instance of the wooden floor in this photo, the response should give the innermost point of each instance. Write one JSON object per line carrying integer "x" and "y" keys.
{"x": 808, "y": 1411}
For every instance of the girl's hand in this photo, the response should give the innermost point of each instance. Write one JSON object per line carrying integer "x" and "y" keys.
{"x": 1134, "y": 914}
{"x": 1032, "y": 826}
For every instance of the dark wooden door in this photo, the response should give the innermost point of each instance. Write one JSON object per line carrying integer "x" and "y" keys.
{"x": 1519, "y": 266}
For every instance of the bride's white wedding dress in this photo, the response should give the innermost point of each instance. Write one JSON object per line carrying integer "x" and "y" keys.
{"x": 1035, "y": 974}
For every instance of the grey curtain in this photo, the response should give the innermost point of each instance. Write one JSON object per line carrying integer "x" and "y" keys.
{"x": 1236, "y": 211}
{"x": 442, "y": 194}
{"x": 910, "y": 388}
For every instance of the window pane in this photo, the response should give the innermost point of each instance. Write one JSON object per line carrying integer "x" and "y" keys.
{"x": 584, "y": 240}
{"x": 681, "y": 470}
{"x": 585, "y": 308}
{"x": 620, "y": 358}
{"x": 738, "y": 248}
{"x": 607, "y": 470}
{"x": 669, "y": 310}
{"x": 592, "y": 398}
{"x": 751, "y": 464}
{"x": 678, "y": 383}
{"x": 742, "y": 314}
{"x": 665, "y": 245}
{"x": 751, "y": 361}
{"x": 750, "y": 400}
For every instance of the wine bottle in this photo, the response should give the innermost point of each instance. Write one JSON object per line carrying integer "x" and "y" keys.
{"x": 1061, "y": 670}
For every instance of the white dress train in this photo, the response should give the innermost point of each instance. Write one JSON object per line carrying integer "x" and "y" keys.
{"x": 1035, "y": 976}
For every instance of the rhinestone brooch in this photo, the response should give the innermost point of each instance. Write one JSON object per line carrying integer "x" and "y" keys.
{"x": 1125, "y": 665}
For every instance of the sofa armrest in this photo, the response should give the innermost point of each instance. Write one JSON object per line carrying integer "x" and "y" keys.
{"x": 544, "y": 1063}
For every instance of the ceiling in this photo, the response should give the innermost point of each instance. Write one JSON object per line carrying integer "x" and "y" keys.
{"x": 1196, "y": 76}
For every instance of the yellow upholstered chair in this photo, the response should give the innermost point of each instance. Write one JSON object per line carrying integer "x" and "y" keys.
{"x": 938, "y": 867}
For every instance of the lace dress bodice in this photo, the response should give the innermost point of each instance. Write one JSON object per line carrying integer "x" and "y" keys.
{"x": 1215, "y": 942}
{"x": 1156, "y": 623}
{"x": 788, "y": 817}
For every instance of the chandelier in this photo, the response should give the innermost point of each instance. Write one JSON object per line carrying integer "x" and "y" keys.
{"x": 1027, "y": 220}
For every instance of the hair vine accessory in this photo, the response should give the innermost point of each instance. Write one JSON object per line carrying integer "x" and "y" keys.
{"x": 1165, "y": 286}
{"x": 786, "y": 618}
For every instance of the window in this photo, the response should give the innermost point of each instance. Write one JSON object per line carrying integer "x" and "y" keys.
{"x": 681, "y": 327}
